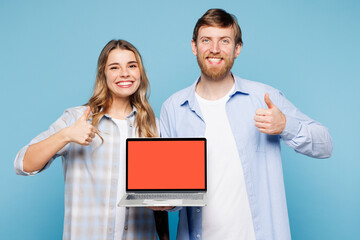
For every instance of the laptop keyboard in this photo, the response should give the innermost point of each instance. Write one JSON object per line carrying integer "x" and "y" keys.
{"x": 158, "y": 196}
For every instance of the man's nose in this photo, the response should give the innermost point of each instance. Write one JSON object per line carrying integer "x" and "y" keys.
{"x": 215, "y": 47}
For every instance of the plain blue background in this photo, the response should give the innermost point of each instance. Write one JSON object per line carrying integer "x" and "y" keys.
{"x": 308, "y": 49}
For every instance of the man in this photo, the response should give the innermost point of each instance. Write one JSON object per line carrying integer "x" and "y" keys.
{"x": 243, "y": 122}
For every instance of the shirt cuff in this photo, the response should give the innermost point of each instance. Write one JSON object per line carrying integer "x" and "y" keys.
{"x": 19, "y": 164}
{"x": 291, "y": 128}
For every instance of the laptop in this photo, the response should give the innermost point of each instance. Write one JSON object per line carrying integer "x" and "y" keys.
{"x": 165, "y": 172}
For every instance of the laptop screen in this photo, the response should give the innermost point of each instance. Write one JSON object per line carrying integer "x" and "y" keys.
{"x": 165, "y": 164}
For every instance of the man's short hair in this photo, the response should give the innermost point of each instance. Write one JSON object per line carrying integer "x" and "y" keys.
{"x": 218, "y": 18}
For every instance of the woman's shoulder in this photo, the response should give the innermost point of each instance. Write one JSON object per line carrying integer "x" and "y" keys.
{"x": 76, "y": 110}
{"x": 74, "y": 113}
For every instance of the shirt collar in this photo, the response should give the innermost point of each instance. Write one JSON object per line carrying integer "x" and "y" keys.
{"x": 190, "y": 97}
{"x": 132, "y": 114}
{"x": 240, "y": 87}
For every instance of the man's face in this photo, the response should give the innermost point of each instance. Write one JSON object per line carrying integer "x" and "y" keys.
{"x": 215, "y": 51}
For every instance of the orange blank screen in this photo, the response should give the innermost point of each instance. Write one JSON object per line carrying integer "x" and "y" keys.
{"x": 166, "y": 164}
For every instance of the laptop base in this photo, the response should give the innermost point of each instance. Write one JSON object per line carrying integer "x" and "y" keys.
{"x": 199, "y": 201}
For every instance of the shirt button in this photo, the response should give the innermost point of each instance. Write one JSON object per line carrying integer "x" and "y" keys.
{"x": 198, "y": 236}
{"x": 198, "y": 210}
{"x": 126, "y": 228}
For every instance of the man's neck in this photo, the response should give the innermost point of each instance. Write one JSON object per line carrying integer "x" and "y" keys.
{"x": 212, "y": 89}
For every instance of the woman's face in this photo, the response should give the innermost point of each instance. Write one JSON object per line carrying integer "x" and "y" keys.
{"x": 122, "y": 73}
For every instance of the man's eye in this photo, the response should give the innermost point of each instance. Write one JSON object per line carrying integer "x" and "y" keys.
{"x": 225, "y": 41}
{"x": 205, "y": 40}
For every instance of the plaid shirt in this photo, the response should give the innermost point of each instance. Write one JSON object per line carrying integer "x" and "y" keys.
{"x": 91, "y": 179}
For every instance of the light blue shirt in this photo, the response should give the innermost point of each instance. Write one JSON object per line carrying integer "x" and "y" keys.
{"x": 259, "y": 153}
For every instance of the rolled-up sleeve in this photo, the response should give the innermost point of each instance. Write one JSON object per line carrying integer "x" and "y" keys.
{"x": 303, "y": 134}
{"x": 64, "y": 121}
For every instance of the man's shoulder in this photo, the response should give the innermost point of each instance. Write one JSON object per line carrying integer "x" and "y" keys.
{"x": 254, "y": 87}
{"x": 179, "y": 97}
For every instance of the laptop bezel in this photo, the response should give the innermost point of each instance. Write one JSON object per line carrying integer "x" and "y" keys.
{"x": 201, "y": 190}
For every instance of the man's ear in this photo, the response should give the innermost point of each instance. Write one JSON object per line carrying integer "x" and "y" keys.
{"x": 193, "y": 47}
{"x": 237, "y": 50}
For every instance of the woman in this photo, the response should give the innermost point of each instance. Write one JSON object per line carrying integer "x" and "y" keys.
{"x": 91, "y": 141}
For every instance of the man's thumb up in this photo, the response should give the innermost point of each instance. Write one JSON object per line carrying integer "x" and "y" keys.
{"x": 268, "y": 102}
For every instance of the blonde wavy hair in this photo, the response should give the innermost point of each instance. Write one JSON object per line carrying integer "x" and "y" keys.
{"x": 101, "y": 99}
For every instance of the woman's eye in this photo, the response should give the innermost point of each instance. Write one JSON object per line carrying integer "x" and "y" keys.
{"x": 133, "y": 66}
{"x": 112, "y": 68}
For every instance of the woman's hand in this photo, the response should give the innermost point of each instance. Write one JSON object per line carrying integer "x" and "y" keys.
{"x": 81, "y": 131}
{"x": 38, "y": 154}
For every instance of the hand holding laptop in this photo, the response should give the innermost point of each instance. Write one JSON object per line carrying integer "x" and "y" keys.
{"x": 161, "y": 208}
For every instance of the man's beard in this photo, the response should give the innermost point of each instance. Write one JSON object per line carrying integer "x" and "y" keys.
{"x": 215, "y": 73}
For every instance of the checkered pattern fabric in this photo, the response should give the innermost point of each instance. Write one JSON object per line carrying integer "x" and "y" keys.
{"x": 91, "y": 179}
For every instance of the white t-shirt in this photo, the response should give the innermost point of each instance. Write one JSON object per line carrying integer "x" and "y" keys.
{"x": 120, "y": 211}
{"x": 227, "y": 214}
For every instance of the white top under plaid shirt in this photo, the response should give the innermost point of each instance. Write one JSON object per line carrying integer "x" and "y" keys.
{"x": 91, "y": 178}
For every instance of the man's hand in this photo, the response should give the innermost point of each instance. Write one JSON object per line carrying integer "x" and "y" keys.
{"x": 160, "y": 208}
{"x": 81, "y": 132}
{"x": 270, "y": 121}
